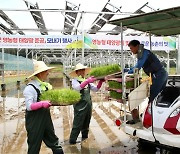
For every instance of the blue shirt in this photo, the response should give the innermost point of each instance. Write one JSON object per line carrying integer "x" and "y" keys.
{"x": 140, "y": 61}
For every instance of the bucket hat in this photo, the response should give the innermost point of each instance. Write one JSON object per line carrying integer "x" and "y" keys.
{"x": 39, "y": 66}
{"x": 79, "y": 66}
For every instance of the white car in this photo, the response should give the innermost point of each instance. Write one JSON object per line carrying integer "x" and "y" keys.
{"x": 161, "y": 121}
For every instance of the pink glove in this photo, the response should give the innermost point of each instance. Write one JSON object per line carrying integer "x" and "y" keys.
{"x": 87, "y": 81}
{"x": 91, "y": 79}
{"x": 100, "y": 83}
{"x": 41, "y": 104}
{"x": 46, "y": 104}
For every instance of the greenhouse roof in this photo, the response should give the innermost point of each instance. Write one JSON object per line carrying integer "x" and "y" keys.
{"x": 165, "y": 22}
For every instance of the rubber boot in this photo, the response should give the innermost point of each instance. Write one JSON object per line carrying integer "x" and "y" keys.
{"x": 135, "y": 116}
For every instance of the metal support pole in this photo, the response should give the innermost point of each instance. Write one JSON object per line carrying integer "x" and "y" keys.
{"x": 3, "y": 85}
{"x": 18, "y": 85}
{"x": 32, "y": 53}
{"x": 90, "y": 62}
{"x": 101, "y": 59}
{"x": 178, "y": 57}
{"x": 36, "y": 56}
{"x": 71, "y": 59}
{"x": 26, "y": 58}
{"x": 65, "y": 16}
{"x": 168, "y": 61}
{"x": 18, "y": 62}
{"x": 150, "y": 42}
{"x": 82, "y": 60}
{"x": 123, "y": 75}
{"x": 3, "y": 66}
{"x": 75, "y": 57}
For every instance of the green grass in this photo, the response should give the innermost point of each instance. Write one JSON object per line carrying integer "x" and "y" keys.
{"x": 115, "y": 84}
{"x": 118, "y": 85}
{"x": 13, "y": 79}
{"x": 115, "y": 95}
{"x": 57, "y": 71}
{"x": 130, "y": 84}
{"x": 58, "y": 67}
{"x": 104, "y": 70}
{"x": 172, "y": 71}
{"x": 63, "y": 96}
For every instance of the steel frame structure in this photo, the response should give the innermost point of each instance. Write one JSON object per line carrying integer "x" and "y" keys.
{"x": 71, "y": 57}
{"x": 37, "y": 16}
{"x": 10, "y": 23}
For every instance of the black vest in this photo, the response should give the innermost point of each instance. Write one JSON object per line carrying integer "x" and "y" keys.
{"x": 152, "y": 64}
{"x": 38, "y": 92}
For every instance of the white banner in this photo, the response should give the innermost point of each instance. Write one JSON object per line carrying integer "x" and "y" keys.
{"x": 110, "y": 42}
{"x": 114, "y": 42}
{"x": 42, "y": 41}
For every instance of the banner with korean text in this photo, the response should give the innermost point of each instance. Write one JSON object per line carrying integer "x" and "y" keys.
{"x": 41, "y": 42}
{"x": 114, "y": 42}
{"x": 109, "y": 42}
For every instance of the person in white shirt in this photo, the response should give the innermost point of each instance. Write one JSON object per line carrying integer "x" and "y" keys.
{"x": 38, "y": 120}
{"x": 83, "y": 109}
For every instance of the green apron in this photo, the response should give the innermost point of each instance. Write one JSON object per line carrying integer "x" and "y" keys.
{"x": 40, "y": 128}
{"x": 82, "y": 116}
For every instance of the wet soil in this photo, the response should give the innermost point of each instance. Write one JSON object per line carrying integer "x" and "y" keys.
{"x": 104, "y": 136}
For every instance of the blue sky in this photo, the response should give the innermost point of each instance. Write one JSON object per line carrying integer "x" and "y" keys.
{"x": 56, "y": 20}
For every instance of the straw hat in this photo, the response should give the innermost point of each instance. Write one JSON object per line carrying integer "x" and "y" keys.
{"x": 39, "y": 66}
{"x": 80, "y": 66}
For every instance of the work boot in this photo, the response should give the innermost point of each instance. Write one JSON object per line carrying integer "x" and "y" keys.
{"x": 58, "y": 152}
{"x": 73, "y": 142}
{"x": 135, "y": 114}
{"x": 134, "y": 121}
{"x": 84, "y": 136}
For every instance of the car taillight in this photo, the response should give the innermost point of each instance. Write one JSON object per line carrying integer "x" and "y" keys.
{"x": 171, "y": 122}
{"x": 147, "y": 122}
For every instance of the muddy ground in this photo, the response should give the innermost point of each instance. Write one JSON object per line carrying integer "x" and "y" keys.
{"x": 104, "y": 136}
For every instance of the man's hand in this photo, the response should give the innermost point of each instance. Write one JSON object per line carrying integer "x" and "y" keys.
{"x": 126, "y": 70}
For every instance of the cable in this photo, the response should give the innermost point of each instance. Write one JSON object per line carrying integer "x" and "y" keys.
{"x": 152, "y": 122}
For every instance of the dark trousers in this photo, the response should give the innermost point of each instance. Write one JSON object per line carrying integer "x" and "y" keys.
{"x": 40, "y": 128}
{"x": 81, "y": 122}
{"x": 159, "y": 80}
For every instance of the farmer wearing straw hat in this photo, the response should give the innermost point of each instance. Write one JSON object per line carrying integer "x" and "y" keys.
{"x": 83, "y": 109}
{"x": 38, "y": 120}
